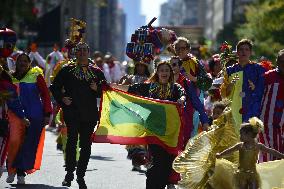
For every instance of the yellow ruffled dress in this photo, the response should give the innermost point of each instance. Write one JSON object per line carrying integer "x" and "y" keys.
{"x": 236, "y": 176}
{"x": 197, "y": 162}
{"x": 199, "y": 168}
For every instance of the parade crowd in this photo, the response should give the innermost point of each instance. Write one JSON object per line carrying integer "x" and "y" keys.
{"x": 236, "y": 102}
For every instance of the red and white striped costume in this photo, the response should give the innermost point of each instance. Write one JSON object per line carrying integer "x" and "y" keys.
{"x": 272, "y": 113}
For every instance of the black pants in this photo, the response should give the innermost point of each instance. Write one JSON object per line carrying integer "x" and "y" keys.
{"x": 158, "y": 174}
{"x": 85, "y": 130}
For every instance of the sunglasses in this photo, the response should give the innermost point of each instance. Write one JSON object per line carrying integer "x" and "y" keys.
{"x": 174, "y": 64}
{"x": 180, "y": 48}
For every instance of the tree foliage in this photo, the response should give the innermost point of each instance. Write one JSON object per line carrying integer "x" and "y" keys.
{"x": 265, "y": 26}
{"x": 13, "y": 12}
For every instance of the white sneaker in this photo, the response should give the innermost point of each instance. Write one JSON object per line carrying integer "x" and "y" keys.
{"x": 21, "y": 180}
{"x": 10, "y": 178}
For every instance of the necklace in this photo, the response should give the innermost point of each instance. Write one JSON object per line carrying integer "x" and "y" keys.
{"x": 160, "y": 91}
{"x": 83, "y": 73}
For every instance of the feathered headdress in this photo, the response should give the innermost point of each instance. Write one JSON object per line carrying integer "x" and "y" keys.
{"x": 148, "y": 41}
{"x": 77, "y": 33}
{"x": 255, "y": 123}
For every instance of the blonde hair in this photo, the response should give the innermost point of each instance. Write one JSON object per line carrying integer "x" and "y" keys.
{"x": 254, "y": 125}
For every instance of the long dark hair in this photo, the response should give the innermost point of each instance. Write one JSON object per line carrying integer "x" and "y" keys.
{"x": 155, "y": 77}
{"x": 146, "y": 72}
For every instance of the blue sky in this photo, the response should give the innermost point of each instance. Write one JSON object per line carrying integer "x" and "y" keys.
{"x": 151, "y": 8}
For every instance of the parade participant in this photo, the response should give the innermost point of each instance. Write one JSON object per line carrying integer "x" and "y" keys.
{"x": 215, "y": 66}
{"x": 36, "y": 57}
{"x": 51, "y": 60}
{"x": 161, "y": 86}
{"x": 217, "y": 110}
{"x": 136, "y": 153}
{"x": 104, "y": 67}
{"x": 272, "y": 108}
{"x": 82, "y": 86}
{"x": 193, "y": 70}
{"x": 114, "y": 68}
{"x": 62, "y": 137}
{"x": 8, "y": 39}
{"x": 34, "y": 97}
{"x": 140, "y": 75}
{"x": 244, "y": 84}
{"x": 247, "y": 175}
{"x": 192, "y": 101}
{"x": 199, "y": 157}
{"x": 10, "y": 109}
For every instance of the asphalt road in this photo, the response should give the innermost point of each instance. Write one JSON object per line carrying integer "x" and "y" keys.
{"x": 108, "y": 169}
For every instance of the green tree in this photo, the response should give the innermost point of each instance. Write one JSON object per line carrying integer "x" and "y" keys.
{"x": 265, "y": 26}
{"x": 15, "y": 12}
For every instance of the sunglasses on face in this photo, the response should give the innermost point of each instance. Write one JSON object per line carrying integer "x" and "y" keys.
{"x": 180, "y": 48}
{"x": 174, "y": 64}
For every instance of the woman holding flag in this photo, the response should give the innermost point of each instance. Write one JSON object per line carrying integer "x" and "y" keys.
{"x": 160, "y": 86}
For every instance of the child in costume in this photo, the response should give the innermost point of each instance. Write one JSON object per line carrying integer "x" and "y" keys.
{"x": 200, "y": 169}
{"x": 197, "y": 160}
{"x": 246, "y": 174}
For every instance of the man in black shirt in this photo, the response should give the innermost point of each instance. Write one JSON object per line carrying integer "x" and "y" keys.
{"x": 76, "y": 89}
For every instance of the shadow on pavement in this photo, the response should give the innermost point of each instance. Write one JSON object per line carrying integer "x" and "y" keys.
{"x": 34, "y": 186}
{"x": 102, "y": 158}
{"x": 92, "y": 169}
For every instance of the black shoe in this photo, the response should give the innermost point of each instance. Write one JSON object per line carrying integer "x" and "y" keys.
{"x": 81, "y": 183}
{"x": 66, "y": 183}
{"x": 59, "y": 147}
{"x": 68, "y": 179}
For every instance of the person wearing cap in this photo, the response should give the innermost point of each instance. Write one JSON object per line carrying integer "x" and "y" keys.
{"x": 82, "y": 83}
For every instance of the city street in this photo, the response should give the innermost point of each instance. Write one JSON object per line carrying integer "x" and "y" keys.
{"x": 108, "y": 169}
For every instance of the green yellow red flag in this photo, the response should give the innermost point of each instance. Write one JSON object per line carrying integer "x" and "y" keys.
{"x": 131, "y": 119}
